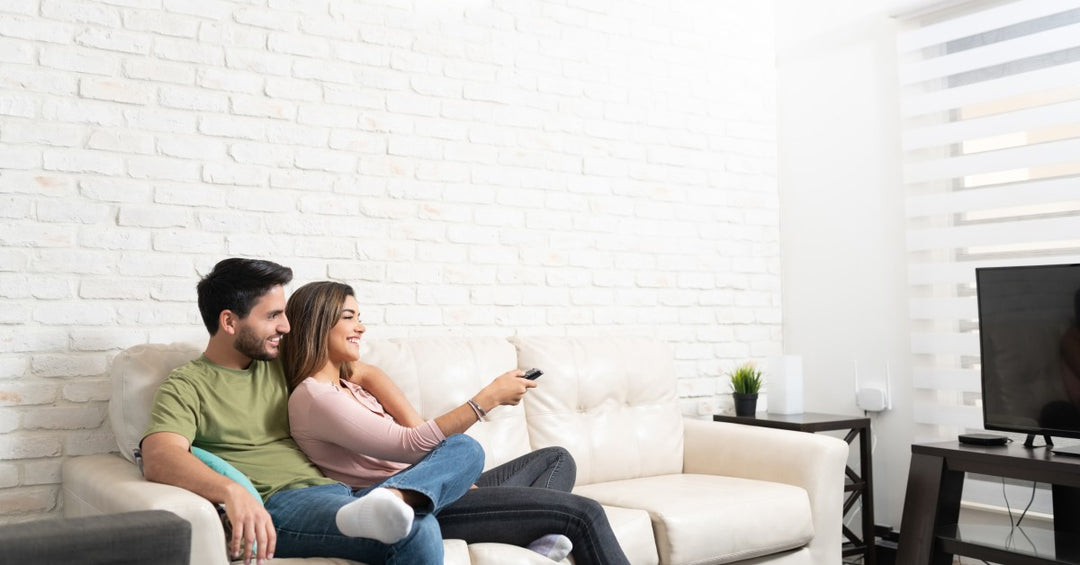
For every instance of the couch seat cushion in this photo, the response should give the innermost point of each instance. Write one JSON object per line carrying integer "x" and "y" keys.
{"x": 633, "y": 529}
{"x": 712, "y": 519}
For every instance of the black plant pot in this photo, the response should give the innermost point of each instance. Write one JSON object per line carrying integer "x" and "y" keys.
{"x": 745, "y": 404}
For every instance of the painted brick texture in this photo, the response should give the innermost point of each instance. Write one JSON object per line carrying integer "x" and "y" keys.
{"x": 472, "y": 167}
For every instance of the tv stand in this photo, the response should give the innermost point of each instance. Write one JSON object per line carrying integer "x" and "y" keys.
{"x": 1030, "y": 441}
{"x": 1071, "y": 451}
{"x": 929, "y": 530}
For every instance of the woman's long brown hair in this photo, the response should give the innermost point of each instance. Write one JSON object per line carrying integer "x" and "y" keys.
{"x": 312, "y": 311}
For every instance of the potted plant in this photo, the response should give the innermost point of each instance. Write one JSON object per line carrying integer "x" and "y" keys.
{"x": 746, "y": 381}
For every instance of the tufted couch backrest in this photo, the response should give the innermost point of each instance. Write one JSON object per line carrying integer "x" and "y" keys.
{"x": 611, "y": 401}
{"x": 439, "y": 374}
{"x": 436, "y": 374}
{"x": 136, "y": 374}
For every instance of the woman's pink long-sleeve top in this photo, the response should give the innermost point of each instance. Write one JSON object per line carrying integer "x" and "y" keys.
{"x": 349, "y": 436}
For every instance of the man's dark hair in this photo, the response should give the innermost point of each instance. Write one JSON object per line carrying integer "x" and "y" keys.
{"x": 237, "y": 284}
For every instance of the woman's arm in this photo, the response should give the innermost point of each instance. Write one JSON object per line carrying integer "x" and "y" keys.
{"x": 376, "y": 381}
{"x": 335, "y": 417}
{"x": 507, "y": 389}
{"x": 340, "y": 420}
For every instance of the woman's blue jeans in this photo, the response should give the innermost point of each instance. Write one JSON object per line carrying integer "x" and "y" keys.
{"x": 305, "y": 517}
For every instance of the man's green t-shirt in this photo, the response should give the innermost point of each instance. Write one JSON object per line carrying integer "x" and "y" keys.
{"x": 241, "y": 416}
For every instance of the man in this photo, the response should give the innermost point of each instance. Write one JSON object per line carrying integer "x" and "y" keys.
{"x": 232, "y": 402}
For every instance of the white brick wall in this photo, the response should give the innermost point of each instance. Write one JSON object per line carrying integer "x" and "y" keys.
{"x": 472, "y": 167}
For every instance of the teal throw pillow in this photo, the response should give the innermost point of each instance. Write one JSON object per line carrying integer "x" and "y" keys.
{"x": 222, "y": 466}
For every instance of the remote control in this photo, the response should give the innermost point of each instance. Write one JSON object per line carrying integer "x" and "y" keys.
{"x": 533, "y": 374}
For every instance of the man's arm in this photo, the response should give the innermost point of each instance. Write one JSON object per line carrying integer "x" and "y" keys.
{"x": 167, "y": 459}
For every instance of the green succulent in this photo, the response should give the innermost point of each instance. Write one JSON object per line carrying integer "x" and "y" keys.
{"x": 746, "y": 379}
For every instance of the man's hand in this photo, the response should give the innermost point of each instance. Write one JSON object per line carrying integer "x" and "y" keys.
{"x": 167, "y": 459}
{"x": 253, "y": 533}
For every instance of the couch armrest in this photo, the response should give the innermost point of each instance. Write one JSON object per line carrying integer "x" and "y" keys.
{"x": 153, "y": 536}
{"x": 814, "y": 462}
{"x": 109, "y": 484}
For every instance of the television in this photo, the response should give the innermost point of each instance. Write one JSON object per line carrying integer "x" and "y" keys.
{"x": 1030, "y": 350}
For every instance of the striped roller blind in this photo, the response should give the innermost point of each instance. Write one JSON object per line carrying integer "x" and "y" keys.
{"x": 990, "y": 103}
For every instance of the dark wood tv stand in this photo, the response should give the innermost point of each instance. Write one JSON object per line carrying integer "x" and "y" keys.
{"x": 929, "y": 532}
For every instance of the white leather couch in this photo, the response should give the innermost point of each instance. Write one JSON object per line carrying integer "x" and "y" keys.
{"x": 676, "y": 490}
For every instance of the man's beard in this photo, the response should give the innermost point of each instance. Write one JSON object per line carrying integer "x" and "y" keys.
{"x": 252, "y": 345}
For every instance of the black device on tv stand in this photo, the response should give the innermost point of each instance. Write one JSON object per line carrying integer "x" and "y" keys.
{"x": 983, "y": 439}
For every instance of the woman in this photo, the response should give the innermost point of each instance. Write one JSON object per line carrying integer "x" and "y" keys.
{"x": 359, "y": 429}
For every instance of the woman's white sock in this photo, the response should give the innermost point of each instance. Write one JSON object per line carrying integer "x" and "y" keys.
{"x": 553, "y": 546}
{"x": 378, "y": 515}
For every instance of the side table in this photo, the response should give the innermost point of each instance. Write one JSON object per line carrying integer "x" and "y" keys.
{"x": 859, "y": 486}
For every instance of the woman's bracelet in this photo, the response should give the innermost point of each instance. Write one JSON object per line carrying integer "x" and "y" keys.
{"x": 480, "y": 412}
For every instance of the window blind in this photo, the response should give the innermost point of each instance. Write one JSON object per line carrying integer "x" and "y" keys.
{"x": 990, "y": 108}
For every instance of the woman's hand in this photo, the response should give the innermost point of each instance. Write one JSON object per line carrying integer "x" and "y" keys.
{"x": 507, "y": 389}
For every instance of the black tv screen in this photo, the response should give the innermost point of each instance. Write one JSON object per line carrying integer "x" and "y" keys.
{"x": 1030, "y": 348}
